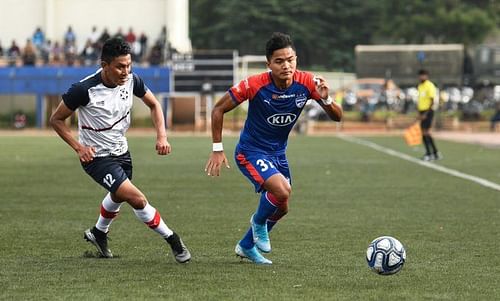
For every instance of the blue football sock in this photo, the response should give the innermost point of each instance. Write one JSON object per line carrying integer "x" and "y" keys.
{"x": 247, "y": 240}
{"x": 270, "y": 225}
{"x": 265, "y": 210}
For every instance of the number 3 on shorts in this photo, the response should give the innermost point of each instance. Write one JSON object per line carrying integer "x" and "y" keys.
{"x": 263, "y": 165}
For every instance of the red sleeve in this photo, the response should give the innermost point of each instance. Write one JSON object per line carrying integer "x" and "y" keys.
{"x": 247, "y": 88}
{"x": 240, "y": 92}
{"x": 307, "y": 79}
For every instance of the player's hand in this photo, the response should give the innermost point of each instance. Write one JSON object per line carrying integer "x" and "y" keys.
{"x": 215, "y": 162}
{"x": 86, "y": 153}
{"x": 162, "y": 146}
{"x": 321, "y": 86}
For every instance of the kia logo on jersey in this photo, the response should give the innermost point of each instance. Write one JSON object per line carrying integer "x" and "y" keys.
{"x": 282, "y": 119}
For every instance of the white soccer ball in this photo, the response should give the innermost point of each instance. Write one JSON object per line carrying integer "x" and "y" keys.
{"x": 385, "y": 255}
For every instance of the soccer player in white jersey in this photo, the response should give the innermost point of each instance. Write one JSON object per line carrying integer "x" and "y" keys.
{"x": 104, "y": 101}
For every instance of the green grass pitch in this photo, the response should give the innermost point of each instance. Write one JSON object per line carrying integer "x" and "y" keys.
{"x": 344, "y": 196}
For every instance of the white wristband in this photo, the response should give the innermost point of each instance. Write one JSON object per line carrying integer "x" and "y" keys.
{"x": 217, "y": 147}
{"x": 327, "y": 101}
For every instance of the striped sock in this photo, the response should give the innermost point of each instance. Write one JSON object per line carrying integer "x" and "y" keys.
{"x": 151, "y": 217}
{"x": 109, "y": 210}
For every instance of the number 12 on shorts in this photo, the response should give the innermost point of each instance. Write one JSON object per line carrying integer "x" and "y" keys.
{"x": 108, "y": 180}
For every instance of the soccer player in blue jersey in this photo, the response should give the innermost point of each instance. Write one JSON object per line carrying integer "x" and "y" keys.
{"x": 276, "y": 99}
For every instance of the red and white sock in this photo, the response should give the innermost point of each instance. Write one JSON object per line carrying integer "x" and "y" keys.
{"x": 151, "y": 217}
{"x": 109, "y": 210}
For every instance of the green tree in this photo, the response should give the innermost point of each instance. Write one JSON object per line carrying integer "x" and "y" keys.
{"x": 326, "y": 31}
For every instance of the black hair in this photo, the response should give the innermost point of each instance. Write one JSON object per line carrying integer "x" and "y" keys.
{"x": 277, "y": 41}
{"x": 423, "y": 72}
{"x": 113, "y": 48}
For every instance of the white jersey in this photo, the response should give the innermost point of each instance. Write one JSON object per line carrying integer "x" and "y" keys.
{"x": 104, "y": 112}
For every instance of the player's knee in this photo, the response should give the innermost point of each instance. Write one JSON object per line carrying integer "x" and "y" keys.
{"x": 283, "y": 209}
{"x": 138, "y": 201}
{"x": 282, "y": 196}
{"x": 285, "y": 193}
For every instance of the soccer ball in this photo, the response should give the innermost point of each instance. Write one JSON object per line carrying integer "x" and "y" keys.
{"x": 385, "y": 255}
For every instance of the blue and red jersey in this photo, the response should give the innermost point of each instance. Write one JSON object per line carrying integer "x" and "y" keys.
{"x": 272, "y": 112}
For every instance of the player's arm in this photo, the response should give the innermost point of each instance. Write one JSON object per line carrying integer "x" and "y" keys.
{"x": 57, "y": 121}
{"x": 332, "y": 109}
{"x": 162, "y": 145}
{"x": 217, "y": 158}
{"x": 432, "y": 94}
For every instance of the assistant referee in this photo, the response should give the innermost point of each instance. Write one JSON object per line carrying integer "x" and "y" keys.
{"x": 426, "y": 95}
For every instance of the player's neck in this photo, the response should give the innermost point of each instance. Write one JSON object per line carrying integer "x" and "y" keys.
{"x": 280, "y": 83}
{"x": 106, "y": 82}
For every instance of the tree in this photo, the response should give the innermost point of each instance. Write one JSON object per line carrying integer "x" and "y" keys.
{"x": 326, "y": 31}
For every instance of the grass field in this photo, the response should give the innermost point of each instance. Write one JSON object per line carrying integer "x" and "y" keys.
{"x": 344, "y": 196}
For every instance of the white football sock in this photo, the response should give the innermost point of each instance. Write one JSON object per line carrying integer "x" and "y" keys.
{"x": 151, "y": 217}
{"x": 109, "y": 210}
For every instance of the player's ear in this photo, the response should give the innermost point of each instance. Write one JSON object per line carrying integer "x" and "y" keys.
{"x": 268, "y": 64}
{"x": 104, "y": 64}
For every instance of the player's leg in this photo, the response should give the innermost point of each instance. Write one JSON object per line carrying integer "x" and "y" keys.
{"x": 257, "y": 168}
{"x": 425, "y": 125}
{"x": 269, "y": 211}
{"x": 129, "y": 193}
{"x": 109, "y": 211}
{"x": 281, "y": 162}
{"x": 431, "y": 150}
{"x": 98, "y": 235}
{"x": 108, "y": 173}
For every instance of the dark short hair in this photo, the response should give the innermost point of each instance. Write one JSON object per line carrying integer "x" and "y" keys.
{"x": 423, "y": 72}
{"x": 277, "y": 41}
{"x": 113, "y": 48}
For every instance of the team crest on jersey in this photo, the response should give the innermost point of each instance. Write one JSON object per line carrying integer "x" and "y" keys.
{"x": 300, "y": 101}
{"x": 282, "y": 119}
{"x": 123, "y": 94}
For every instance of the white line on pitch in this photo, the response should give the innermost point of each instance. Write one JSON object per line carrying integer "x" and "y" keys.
{"x": 446, "y": 170}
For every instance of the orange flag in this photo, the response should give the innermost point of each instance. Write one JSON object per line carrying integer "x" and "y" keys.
{"x": 413, "y": 135}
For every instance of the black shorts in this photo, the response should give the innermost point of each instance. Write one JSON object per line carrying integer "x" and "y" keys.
{"x": 111, "y": 171}
{"x": 426, "y": 123}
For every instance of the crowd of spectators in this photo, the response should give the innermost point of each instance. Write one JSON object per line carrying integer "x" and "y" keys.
{"x": 38, "y": 50}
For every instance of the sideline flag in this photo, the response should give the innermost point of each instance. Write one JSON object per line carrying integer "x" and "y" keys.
{"x": 413, "y": 135}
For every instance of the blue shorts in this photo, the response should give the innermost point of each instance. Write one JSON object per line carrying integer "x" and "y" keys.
{"x": 258, "y": 167}
{"x": 110, "y": 171}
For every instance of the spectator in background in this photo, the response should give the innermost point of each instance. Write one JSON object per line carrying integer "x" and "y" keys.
{"x": 70, "y": 53}
{"x": 45, "y": 52}
{"x": 131, "y": 38}
{"x": 155, "y": 57}
{"x": 20, "y": 120}
{"x": 143, "y": 41}
{"x": 136, "y": 51}
{"x": 13, "y": 53}
{"x": 38, "y": 38}
{"x": 162, "y": 39}
{"x": 104, "y": 36}
{"x": 69, "y": 37}
{"x": 119, "y": 34}
{"x": 88, "y": 56}
{"x": 29, "y": 54}
{"x": 94, "y": 36}
{"x": 1, "y": 51}
{"x": 57, "y": 54}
